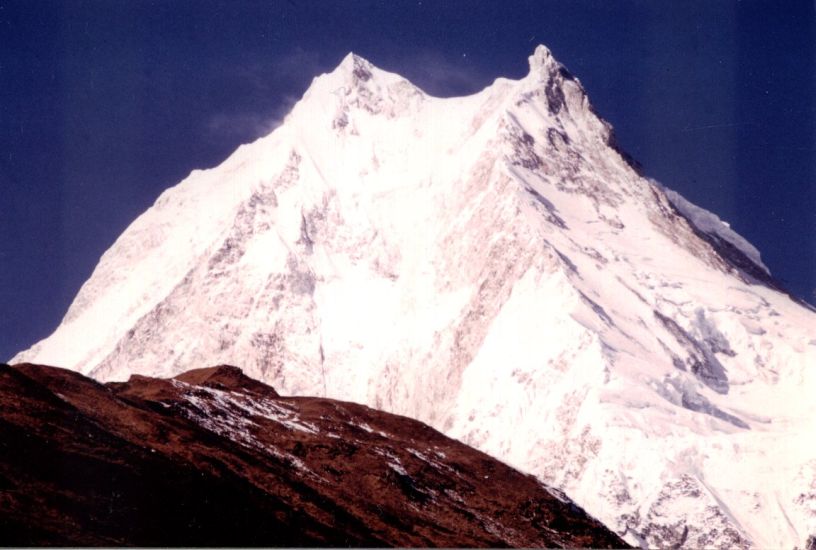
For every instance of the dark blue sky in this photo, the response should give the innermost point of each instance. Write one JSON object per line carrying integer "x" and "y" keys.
{"x": 105, "y": 104}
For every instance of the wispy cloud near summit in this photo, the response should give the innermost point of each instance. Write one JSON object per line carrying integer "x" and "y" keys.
{"x": 442, "y": 75}
{"x": 249, "y": 125}
{"x": 274, "y": 86}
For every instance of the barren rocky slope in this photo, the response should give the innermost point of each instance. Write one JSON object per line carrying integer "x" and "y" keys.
{"x": 213, "y": 458}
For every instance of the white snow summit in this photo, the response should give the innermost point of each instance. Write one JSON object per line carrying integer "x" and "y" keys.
{"x": 493, "y": 266}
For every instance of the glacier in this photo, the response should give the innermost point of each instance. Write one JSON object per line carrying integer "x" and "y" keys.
{"x": 495, "y": 266}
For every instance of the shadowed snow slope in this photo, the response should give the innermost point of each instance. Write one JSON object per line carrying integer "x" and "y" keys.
{"x": 494, "y": 266}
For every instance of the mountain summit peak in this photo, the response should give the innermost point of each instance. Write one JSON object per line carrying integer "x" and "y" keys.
{"x": 358, "y": 67}
{"x": 542, "y": 57}
{"x": 544, "y": 65}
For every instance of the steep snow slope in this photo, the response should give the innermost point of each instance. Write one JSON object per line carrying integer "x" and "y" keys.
{"x": 491, "y": 265}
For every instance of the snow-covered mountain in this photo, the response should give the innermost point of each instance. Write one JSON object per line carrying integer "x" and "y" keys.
{"x": 494, "y": 266}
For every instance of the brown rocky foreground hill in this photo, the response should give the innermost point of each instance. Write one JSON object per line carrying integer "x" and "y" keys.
{"x": 213, "y": 458}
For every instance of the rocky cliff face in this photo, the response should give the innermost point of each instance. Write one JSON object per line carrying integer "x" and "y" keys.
{"x": 213, "y": 458}
{"x": 494, "y": 266}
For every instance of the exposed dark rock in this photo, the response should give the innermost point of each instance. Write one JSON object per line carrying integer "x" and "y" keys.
{"x": 362, "y": 70}
{"x": 612, "y": 141}
{"x": 567, "y": 262}
{"x": 557, "y": 137}
{"x": 698, "y": 403}
{"x": 555, "y": 95}
{"x": 550, "y": 209}
{"x": 599, "y": 311}
{"x": 701, "y": 360}
{"x": 565, "y": 74}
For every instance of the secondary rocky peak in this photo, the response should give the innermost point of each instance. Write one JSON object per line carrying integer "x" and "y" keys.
{"x": 356, "y": 83}
{"x": 358, "y": 68}
{"x": 541, "y": 59}
{"x": 225, "y": 377}
{"x": 544, "y": 65}
{"x": 355, "y": 72}
{"x": 562, "y": 90}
